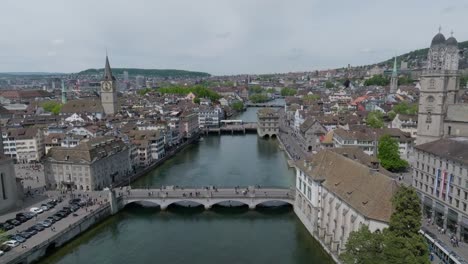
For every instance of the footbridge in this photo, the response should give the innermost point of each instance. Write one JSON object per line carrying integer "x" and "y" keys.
{"x": 233, "y": 126}
{"x": 208, "y": 196}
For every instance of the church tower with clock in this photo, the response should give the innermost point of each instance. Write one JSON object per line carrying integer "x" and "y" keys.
{"x": 108, "y": 91}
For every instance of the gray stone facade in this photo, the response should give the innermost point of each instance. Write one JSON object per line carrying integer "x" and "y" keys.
{"x": 267, "y": 122}
{"x": 438, "y": 102}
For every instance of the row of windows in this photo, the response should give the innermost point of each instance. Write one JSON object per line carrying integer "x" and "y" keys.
{"x": 453, "y": 201}
{"x": 430, "y": 179}
{"x": 431, "y": 159}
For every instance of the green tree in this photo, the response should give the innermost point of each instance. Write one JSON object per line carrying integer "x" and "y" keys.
{"x": 403, "y": 243}
{"x": 405, "y": 80}
{"x": 198, "y": 90}
{"x": 363, "y": 247}
{"x": 389, "y": 155}
{"x": 329, "y": 85}
{"x": 52, "y": 107}
{"x": 399, "y": 243}
{"x": 196, "y": 100}
{"x": 310, "y": 98}
{"x": 255, "y": 89}
{"x": 258, "y": 98}
{"x": 405, "y": 108}
{"x": 144, "y": 91}
{"x": 288, "y": 92}
{"x": 379, "y": 80}
{"x": 391, "y": 114}
{"x": 375, "y": 119}
{"x": 238, "y": 106}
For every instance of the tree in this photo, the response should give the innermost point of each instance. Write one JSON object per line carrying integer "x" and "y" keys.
{"x": 375, "y": 119}
{"x": 258, "y": 98}
{"x": 363, "y": 247}
{"x": 329, "y": 85}
{"x": 52, "y": 107}
{"x": 198, "y": 90}
{"x": 405, "y": 108}
{"x": 238, "y": 106}
{"x": 389, "y": 155}
{"x": 144, "y": 91}
{"x": 399, "y": 243}
{"x": 403, "y": 243}
{"x": 256, "y": 89}
{"x": 310, "y": 98}
{"x": 196, "y": 100}
{"x": 405, "y": 80}
{"x": 288, "y": 92}
{"x": 379, "y": 80}
{"x": 391, "y": 114}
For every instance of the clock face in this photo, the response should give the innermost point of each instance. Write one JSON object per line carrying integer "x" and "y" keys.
{"x": 106, "y": 86}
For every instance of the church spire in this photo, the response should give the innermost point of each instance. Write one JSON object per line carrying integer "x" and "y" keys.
{"x": 108, "y": 71}
{"x": 394, "y": 72}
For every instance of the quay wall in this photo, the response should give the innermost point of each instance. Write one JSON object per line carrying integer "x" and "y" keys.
{"x": 62, "y": 237}
{"x": 303, "y": 218}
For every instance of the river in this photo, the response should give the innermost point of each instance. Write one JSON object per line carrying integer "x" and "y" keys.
{"x": 193, "y": 235}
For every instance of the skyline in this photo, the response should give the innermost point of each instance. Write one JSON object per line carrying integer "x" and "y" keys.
{"x": 221, "y": 38}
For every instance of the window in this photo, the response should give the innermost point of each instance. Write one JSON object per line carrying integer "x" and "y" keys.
{"x": 449, "y": 130}
{"x": 2, "y": 182}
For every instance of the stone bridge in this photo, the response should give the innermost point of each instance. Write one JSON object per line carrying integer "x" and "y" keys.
{"x": 207, "y": 197}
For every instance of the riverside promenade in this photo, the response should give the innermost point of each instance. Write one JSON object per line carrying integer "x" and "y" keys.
{"x": 64, "y": 229}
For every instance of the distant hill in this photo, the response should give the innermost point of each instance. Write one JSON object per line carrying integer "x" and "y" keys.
{"x": 9, "y": 74}
{"x": 417, "y": 57}
{"x": 148, "y": 72}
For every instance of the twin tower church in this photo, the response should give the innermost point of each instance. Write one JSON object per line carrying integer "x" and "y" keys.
{"x": 440, "y": 112}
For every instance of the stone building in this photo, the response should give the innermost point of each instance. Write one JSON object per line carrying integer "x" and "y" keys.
{"x": 10, "y": 187}
{"x": 340, "y": 190}
{"x": 267, "y": 122}
{"x": 109, "y": 91}
{"x": 440, "y": 113}
{"x": 440, "y": 175}
{"x": 93, "y": 165}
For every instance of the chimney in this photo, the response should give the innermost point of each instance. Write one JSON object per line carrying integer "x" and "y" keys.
{"x": 374, "y": 165}
{"x": 345, "y": 154}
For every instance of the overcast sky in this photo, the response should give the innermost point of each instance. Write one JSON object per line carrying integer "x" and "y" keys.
{"x": 218, "y": 36}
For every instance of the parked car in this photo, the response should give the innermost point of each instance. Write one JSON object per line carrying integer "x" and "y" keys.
{"x": 44, "y": 207}
{"x": 50, "y": 204}
{"x": 29, "y": 215}
{"x": 21, "y": 218}
{"x": 25, "y": 215}
{"x": 51, "y": 219}
{"x": 14, "y": 222}
{"x": 36, "y": 210}
{"x": 6, "y": 226}
{"x": 32, "y": 231}
{"x": 57, "y": 217}
{"x": 25, "y": 234}
{"x": 74, "y": 207}
{"x": 38, "y": 227}
{"x": 11, "y": 243}
{"x": 45, "y": 223}
{"x": 2, "y": 253}
{"x": 17, "y": 238}
{"x": 5, "y": 248}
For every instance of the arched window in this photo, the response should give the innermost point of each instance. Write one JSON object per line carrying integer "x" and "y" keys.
{"x": 430, "y": 99}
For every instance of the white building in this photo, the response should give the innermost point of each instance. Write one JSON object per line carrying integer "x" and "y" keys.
{"x": 340, "y": 190}
{"x": 406, "y": 123}
{"x": 209, "y": 117}
{"x": 25, "y": 145}
{"x": 440, "y": 175}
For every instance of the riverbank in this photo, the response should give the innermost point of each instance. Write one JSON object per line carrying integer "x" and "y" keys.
{"x": 151, "y": 167}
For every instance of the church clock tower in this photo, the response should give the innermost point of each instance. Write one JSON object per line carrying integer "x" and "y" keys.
{"x": 108, "y": 91}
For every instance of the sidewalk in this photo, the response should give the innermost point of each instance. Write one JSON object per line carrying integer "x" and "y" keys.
{"x": 461, "y": 250}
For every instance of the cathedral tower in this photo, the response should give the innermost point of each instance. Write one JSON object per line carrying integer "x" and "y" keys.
{"x": 439, "y": 87}
{"x": 108, "y": 91}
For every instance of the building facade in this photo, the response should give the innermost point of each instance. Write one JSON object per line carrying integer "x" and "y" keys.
{"x": 267, "y": 122}
{"x": 440, "y": 175}
{"x": 24, "y": 145}
{"x": 92, "y": 165}
{"x": 336, "y": 194}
